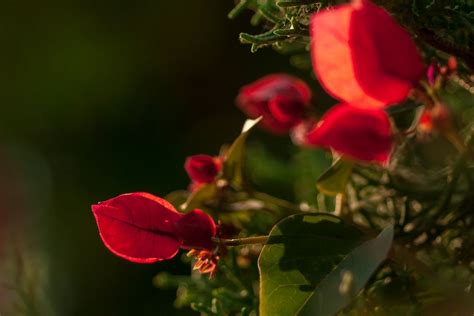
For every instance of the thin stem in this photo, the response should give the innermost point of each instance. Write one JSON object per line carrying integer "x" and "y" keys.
{"x": 339, "y": 201}
{"x": 267, "y": 198}
{"x": 241, "y": 241}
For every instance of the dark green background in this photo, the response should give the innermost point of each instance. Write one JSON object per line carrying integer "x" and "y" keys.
{"x": 100, "y": 98}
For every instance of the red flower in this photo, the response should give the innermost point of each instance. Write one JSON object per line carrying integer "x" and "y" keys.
{"x": 362, "y": 56}
{"x": 281, "y": 100}
{"x": 206, "y": 261}
{"x": 202, "y": 168}
{"x": 143, "y": 228}
{"x": 363, "y": 134}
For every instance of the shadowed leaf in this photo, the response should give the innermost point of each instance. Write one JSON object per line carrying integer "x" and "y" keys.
{"x": 304, "y": 259}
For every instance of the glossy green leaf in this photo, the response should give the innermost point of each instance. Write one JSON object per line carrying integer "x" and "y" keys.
{"x": 334, "y": 180}
{"x": 234, "y": 157}
{"x": 306, "y": 258}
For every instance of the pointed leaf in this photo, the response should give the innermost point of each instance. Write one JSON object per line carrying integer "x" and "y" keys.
{"x": 334, "y": 180}
{"x": 234, "y": 157}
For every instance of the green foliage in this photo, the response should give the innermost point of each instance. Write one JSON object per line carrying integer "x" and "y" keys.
{"x": 402, "y": 240}
{"x": 234, "y": 157}
{"x": 315, "y": 263}
{"x": 289, "y": 22}
{"x": 334, "y": 180}
{"x": 446, "y": 26}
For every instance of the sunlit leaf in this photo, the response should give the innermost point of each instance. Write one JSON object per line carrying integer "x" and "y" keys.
{"x": 234, "y": 157}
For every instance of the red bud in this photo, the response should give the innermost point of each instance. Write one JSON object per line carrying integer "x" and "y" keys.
{"x": 202, "y": 168}
{"x": 279, "y": 98}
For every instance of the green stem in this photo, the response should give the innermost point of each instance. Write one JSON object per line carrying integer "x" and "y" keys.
{"x": 241, "y": 241}
{"x": 241, "y": 6}
{"x": 269, "y": 199}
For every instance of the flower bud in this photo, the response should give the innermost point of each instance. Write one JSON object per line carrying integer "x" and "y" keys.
{"x": 279, "y": 98}
{"x": 202, "y": 168}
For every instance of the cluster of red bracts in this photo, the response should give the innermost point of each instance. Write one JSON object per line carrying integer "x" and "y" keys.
{"x": 143, "y": 228}
{"x": 361, "y": 57}
{"x": 358, "y": 64}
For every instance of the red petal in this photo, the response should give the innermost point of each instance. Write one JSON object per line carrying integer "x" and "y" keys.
{"x": 363, "y": 134}
{"x": 196, "y": 229}
{"x": 362, "y": 56}
{"x": 202, "y": 168}
{"x": 138, "y": 227}
{"x": 286, "y": 109}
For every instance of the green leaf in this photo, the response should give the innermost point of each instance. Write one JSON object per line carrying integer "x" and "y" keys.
{"x": 204, "y": 193}
{"x": 334, "y": 180}
{"x": 177, "y": 198}
{"x": 234, "y": 157}
{"x": 306, "y": 258}
{"x": 360, "y": 264}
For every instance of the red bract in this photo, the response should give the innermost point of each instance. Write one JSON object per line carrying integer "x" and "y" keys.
{"x": 143, "y": 228}
{"x": 363, "y": 134}
{"x": 281, "y": 100}
{"x": 362, "y": 56}
{"x": 202, "y": 168}
{"x": 206, "y": 261}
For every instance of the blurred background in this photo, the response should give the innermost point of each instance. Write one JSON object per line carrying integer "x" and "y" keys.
{"x": 100, "y": 98}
